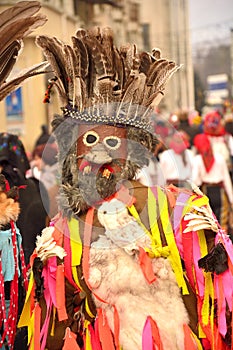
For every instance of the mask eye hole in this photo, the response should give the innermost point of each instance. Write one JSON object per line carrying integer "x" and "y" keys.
{"x": 112, "y": 142}
{"x": 91, "y": 138}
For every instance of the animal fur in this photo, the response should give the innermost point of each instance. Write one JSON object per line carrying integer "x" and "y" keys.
{"x": 116, "y": 278}
{"x": 9, "y": 209}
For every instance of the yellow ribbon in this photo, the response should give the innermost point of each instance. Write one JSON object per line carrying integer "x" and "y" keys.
{"x": 153, "y": 218}
{"x": 88, "y": 336}
{"x": 76, "y": 255}
{"x": 174, "y": 256}
{"x": 26, "y": 319}
{"x": 75, "y": 242}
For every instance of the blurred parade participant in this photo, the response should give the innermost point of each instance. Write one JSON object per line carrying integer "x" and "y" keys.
{"x": 221, "y": 141}
{"x": 195, "y": 120}
{"x": 44, "y": 165}
{"x": 185, "y": 125}
{"x": 44, "y": 159}
{"x": 33, "y": 208}
{"x": 175, "y": 162}
{"x": 210, "y": 172}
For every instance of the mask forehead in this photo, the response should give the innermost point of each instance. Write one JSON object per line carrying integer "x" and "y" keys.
{"x": 103, "y": 132}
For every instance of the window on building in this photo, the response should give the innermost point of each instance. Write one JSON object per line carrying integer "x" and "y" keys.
{"x": 134, "y": 12}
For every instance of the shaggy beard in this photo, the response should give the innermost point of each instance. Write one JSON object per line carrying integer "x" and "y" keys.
{"x": 94, "y": 188}
{"x": 89, "y": 189}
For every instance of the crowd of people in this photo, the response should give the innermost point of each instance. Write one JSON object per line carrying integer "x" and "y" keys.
{"x": 196, "y": 150}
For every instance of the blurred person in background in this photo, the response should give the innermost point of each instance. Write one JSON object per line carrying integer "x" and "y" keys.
{"x": 175, "y": 162}
{"x": 14, "y": 164}
{"x": 184, "y": 124}
{"x": 221, "y": 140}
{"x": 43, "y": 137}
{"x": 32, "y": 217}
{"x": 228, "y": 123}
{"x": 44, "y": 167}
{"x": 210, "y": 173}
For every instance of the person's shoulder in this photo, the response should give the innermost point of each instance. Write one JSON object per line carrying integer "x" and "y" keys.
{"x": 141, "y": 191}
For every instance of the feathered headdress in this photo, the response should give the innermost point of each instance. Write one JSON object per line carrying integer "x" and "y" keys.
{"x": 15, "y": 23}
{"x": 99, "y": 83}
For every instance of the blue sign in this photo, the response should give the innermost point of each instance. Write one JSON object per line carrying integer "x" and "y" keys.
{"x": 14, "y": 105}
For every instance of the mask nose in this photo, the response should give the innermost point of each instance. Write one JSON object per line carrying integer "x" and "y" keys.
{"x": 99, "y": 154}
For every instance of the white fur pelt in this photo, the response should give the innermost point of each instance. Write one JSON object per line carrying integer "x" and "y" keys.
{"x": 116, "y": 277}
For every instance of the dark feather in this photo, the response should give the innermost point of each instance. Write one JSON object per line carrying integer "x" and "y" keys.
{"x": 102, "y": 63}
{"x": 17, "y": 30}
{"x": 155, "y": 69}
{"x": 156, "y": 53}
{"x": 37, "y": 269}
{"x": 163, "y": 75}
{"x": 8, "y": 87}
{"x": 8, "y": 59}
{"x": 119, "y": 75}
{"x": 15, "y": 23}
{"x": 23, "y": 9}
{"x": 145, "y": 62}
{"x": 54, "y": 53}
{"x": 107, "y": 43}
{"x": 81, "y": 33}
{"x": 216, "y": 261}
{"x": 127, "y": 58}
{"x": 81, "y": 53}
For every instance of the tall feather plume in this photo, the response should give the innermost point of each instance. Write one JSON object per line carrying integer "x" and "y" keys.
{"x": 15, "y": 23}
{"x": 94, "y": 71}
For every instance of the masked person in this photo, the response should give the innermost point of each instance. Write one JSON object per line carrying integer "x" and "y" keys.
{"x": 122, "y": 265}
{"x": 210, "y": 172}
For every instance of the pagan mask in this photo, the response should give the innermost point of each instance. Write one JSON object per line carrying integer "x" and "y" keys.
{"x": 108, "y": 96}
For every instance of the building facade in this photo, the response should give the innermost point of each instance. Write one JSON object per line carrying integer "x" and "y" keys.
{"x": 148, "y": 23}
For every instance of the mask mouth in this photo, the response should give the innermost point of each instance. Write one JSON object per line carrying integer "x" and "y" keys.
{"x": 106, "y": 171}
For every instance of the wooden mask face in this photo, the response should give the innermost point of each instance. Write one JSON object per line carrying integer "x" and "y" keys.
{"x": 101, "y": 147}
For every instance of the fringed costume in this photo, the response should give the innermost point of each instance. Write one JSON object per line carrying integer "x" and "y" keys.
{"x": 12, "y": 265}
{"x": 122, "y": 266}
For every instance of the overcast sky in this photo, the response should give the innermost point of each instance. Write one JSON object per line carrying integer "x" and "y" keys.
{"x": 211, "y": 19}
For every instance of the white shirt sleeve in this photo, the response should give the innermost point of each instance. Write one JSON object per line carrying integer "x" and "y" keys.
{"x": 227, "y": 181}
{"x": 197, "y": 170}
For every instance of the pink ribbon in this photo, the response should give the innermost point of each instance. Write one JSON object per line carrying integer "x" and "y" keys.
{"x": 147, "y": 339}
{"x": 49, "y": 274}
{"x": 199, "y": 274}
